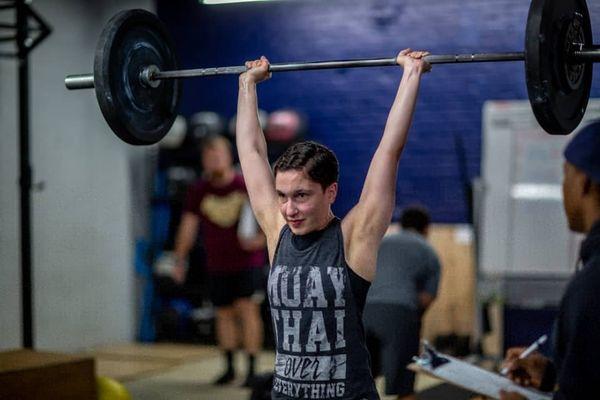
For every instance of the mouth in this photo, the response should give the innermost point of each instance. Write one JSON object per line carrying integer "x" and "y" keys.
{"x": 295, "y": 223}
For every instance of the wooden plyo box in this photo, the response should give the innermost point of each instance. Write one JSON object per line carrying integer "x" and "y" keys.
{"x": 33, "y": 375}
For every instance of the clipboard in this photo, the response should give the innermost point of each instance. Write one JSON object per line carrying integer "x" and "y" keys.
{"x": 469, "y": 376}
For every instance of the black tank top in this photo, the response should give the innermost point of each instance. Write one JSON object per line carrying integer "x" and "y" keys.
{"x": 316, "y": 305}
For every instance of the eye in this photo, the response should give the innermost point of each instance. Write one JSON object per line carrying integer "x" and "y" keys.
{"x": 302, "y": 196}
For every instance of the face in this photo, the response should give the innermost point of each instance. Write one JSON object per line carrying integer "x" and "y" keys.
{"x": 303, "y": 203}
{"x": 572, "y": 192}
{"x": 216, "y": 159}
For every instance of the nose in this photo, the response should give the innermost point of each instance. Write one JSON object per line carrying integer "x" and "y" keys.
{"x": 290, "y": 209}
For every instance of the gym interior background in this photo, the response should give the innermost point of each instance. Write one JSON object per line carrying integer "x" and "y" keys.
{"x": 93, "y": 204}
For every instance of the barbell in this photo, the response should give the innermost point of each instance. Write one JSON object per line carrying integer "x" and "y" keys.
{"x": 137, "y": 82}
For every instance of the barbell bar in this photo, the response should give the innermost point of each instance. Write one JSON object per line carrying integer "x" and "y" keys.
{"x": 136, "y": 77}
{"x": 86, "y": 81}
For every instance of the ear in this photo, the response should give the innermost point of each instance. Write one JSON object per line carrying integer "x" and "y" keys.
{"x": 587, "y": 185}
{"x": 580, "y": 183}
{"x": 331, "y": 192}
{"x": 595, "y": 190}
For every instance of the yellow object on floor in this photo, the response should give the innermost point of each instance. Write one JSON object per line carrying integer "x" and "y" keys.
{"x": 110, "y": 389}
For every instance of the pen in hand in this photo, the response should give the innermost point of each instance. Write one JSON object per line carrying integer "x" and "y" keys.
{"x": 534, "y": 346}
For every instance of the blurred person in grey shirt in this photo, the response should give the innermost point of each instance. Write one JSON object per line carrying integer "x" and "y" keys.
{"x": 406, "y": 283}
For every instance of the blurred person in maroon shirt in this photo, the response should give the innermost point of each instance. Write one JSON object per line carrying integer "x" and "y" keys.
{"x": 213, "y": 206}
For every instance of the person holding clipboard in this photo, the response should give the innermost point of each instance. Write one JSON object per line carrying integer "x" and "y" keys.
{"x": 574, "y": 370}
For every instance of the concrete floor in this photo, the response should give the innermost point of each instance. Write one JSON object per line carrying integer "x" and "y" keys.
{"x": 177, "y": 372}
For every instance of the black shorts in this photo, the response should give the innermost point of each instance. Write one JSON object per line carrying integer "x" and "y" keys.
{"x": 392, "y": 339}
{"x": 227, "y": 288}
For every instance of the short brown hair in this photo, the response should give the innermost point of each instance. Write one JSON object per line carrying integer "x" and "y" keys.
{"x": 319, "y": 163}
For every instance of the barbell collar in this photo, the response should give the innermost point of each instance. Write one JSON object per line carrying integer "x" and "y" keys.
{"x": 147, "y": 76}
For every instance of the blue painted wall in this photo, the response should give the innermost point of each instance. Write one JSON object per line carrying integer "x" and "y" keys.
{"x": 347, "y": 108}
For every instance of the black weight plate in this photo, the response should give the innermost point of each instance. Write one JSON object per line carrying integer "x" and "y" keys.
{"x": 558, "y": 90}
{"x": 137, "y": 113}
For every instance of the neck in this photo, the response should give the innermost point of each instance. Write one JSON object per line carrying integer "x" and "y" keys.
{"x": 222, "y": 179}
{"x": 591, "y": 218}
{"x": 590, "y": 208}
{"x": 413, "y": 230}
{"x": 326, "y": 221}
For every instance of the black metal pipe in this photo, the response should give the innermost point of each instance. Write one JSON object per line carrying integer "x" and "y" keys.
{"x": 25, "y": 177}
